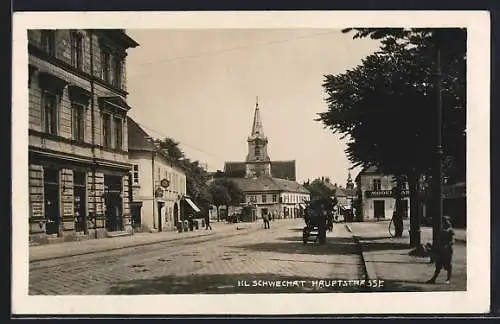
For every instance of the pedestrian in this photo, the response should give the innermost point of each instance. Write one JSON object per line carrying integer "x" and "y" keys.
{"x": 207, "y": 222}
{"x": 444, "y": 253}
{"x": 265, "y": 217}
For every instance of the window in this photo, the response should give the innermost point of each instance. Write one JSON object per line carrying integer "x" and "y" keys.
{"x": 48, "y": 41}
{"x": 118, "y": 133}
{"x": 106, "y": 130}
{"x": 77, "y": 50}
{"x": 49, "y": 102}
{"x": 264, "y": 198}
{"x": 377, "y": 185}
{"x": 135, "y": 174}
{"x": 257, "y": 152}
{"x": 78, "y": 121}
{"x": 275, "y": 198}
{"x": 117, "y": 73}
{"x": 105, "y": 58}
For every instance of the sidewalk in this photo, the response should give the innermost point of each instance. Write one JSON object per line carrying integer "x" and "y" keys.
{"x": 387, "y": 259}
{"x": 65, "y": 249}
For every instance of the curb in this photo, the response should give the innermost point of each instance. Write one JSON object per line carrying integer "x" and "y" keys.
{"x": 240, "y": 231}
{"x": 368, "y": 267}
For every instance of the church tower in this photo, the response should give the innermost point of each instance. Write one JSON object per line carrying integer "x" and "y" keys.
{"x": 350, "y": 184}
{"x": 257, "y": 163}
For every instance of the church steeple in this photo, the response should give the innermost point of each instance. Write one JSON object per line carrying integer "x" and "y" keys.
{"x": 258, "y": 162}
{"x": 350, "y": 184}
{"x": 257, "y": 128}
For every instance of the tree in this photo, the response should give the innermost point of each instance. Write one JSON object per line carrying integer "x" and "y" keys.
{"x": 384, "y": 105}
{"x": 225, "y": 186}
{"x": 171, "y": 147}
{"x": 220, "y": 196}
{"x": 321, "y": 193}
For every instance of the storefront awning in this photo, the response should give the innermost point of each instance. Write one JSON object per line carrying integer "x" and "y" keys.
{"x": 196, "y": 209}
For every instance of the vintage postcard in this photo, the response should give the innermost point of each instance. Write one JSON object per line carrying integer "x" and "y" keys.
{"x": 251, "y": 163}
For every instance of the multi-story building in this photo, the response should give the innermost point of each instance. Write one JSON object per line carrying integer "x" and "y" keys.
{"x": 377, "y": 199}
{"x": 158, "y": 184}
{"x": 269, "y": 186}
{"x": 78, "y": 160}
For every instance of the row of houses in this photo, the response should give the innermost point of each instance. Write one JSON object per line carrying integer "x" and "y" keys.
{"x": 92, "y": 170}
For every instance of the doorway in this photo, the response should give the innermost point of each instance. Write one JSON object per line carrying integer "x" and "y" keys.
{"x": 404, "y": 207}
{"x": 79, "y": 194}
{"x": 379, "y": 209}
{"x": 113, "y": 203}
{"x": 52, "y": 200}
{"x": 160, "y": 223}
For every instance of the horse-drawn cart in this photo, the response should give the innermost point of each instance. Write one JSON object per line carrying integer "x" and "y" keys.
{"x": 318, "y": 218}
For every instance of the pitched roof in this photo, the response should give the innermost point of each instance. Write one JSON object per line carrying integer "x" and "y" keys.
{"x": 235, "y": 169}
{"x": 137, "y": 137}
{"x": 263, "y": 184}
{"x": 283, "y": 170}
{"x": 138, "y": 141}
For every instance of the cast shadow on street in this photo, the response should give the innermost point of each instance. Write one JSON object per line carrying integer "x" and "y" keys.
{"x": 333, "y": 245}
{"x": 223, "y": 284}
{"x": 299, "y": 239}
{"x": 380, "y": 246}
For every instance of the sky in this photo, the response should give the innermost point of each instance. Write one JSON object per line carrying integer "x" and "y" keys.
{"x": 199, "y": 87}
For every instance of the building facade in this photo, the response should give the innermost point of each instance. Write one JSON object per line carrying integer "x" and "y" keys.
{"x": 78, "y": 160}
{"x": 158, "y": 184}
{"x": 377, "y": 201}
{"x": 269, "y": 186}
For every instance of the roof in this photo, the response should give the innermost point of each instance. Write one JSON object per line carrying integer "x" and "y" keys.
{"x": 279, "y": 169}
{"x": 268, "y": 184}
{"x": 283, "y": 169}
{"x": 138, "y": 141}
{"x": 235, "y": 169}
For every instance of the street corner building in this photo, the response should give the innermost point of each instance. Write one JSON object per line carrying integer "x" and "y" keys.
{"x": 78, "y": 152}
{"x": 158, "y": 183}
{"x": 376, "y": 196}
{"x": 269, "y": 186}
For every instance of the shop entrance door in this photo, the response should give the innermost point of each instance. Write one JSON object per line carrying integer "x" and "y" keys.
{"x": 52, "y": 200}
{"x": 80, "y": 210}
{"x": 113, "y": 202}
{"x": 379, "y": 209}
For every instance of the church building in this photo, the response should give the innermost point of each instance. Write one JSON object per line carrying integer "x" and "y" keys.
{"x": 270, "y": 186}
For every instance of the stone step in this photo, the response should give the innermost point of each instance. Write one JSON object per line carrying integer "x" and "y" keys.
{"x": 119, "y": 233}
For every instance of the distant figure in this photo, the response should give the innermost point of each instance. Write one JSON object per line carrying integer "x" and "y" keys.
{"x": 207, "y": 222}
{"x": 265, "y": 217}
{"x": 443, "y": 256}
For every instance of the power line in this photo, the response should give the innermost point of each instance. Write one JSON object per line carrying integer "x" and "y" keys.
{"x": 180, "y": 142}
{"x": 171, "y": 59}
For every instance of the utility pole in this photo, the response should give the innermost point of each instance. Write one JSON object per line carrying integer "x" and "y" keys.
{"x": 438, "y": 171}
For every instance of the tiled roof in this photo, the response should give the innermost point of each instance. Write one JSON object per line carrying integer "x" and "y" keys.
{"x": 268, "y": 184}
{"x": 283, "y": 170}
{"x": 235, "y": 169}
{"x": 137, "y": 137}
{"x": 279, "y": 169}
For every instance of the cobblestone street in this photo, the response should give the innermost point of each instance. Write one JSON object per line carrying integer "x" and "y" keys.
{"x": 234, "y": 262}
